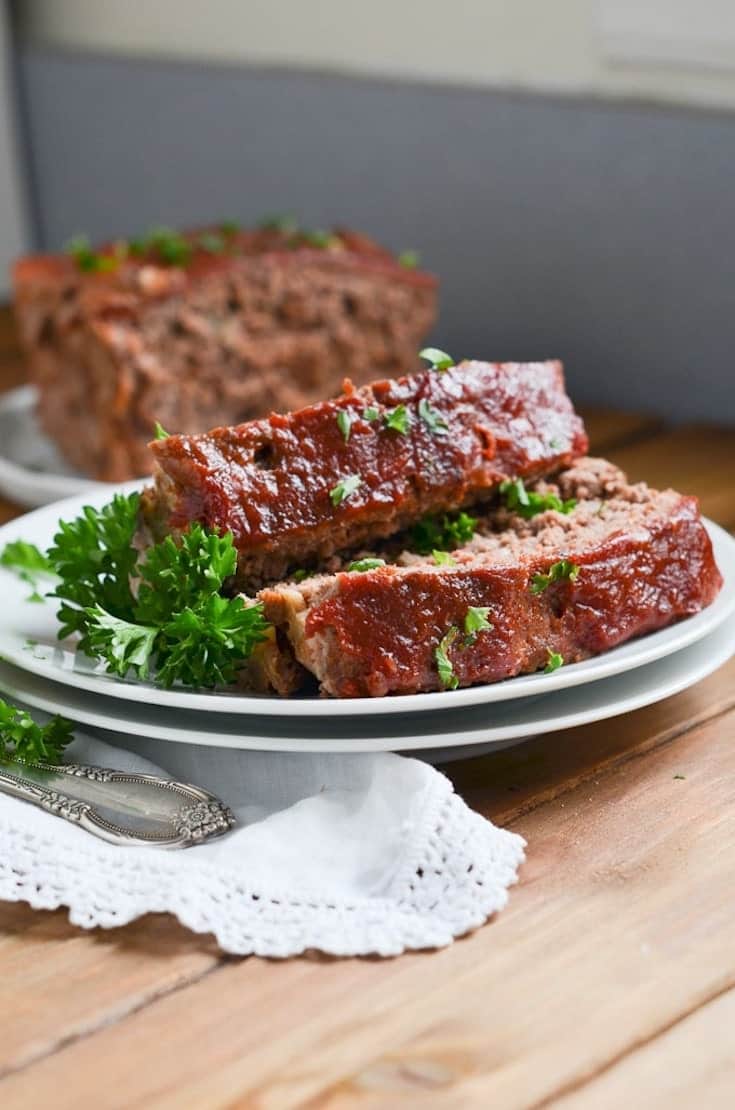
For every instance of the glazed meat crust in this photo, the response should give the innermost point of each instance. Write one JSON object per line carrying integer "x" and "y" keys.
{"x": 644, "y": 560}
{"x": 296, "y": 488}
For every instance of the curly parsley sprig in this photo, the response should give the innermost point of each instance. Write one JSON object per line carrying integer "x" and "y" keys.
{"x": 95, "y": 560}
{"x": 21, "y": 739}
{"x": 176, "y": 626}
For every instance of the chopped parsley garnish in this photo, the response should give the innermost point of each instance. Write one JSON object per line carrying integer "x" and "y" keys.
{"x": 319, "y": 238}
{"x": 555, "y": 661}
{"x": 555, "y": 444}
{"x": 370, "y": 414}
{"x": 176, "y": 625}
{"x": 434, "y": 421}
{"x": 397, "y": 419}
{"x": 409, "y": 259}
{"x": 439, "y": 360}
{"x": 556, "y": 573}
{"x": 90, "y": 261}
{"x": 365, "y": 564}
{"x": 287, "y": 224}
{"x": 23, "y": 740}
{"x": 160, "y": 432}
{"x": 445, "y": 533}
{"x": 344, "y": 423}
{"x": 212, "y": 242}
{"x": 344, "y": 489}
{"x": 29, "y": 564}
{"x": 170, "y": 246}
{"x": 460, "y": 530}
{"x": 229, "y": 228}
{"x": 527, "y": 503}
{"x": 476, "y": 621}
{"x": 175, "y": 249}
{"x": 300, "y": 574}
{"x": 447, "y": 677}
{"x": 442, "y": 558}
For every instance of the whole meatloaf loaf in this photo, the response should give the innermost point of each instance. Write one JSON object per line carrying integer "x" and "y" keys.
{"x": 207, "y": 328}
{"x": 522, "y": 595}
{"x": 295, "y": 488}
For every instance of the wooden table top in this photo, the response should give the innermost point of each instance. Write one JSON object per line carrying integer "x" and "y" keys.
{"x": 610, "y": 977}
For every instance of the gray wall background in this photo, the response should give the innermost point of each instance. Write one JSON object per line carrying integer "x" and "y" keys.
{"x": 600, "y": 233}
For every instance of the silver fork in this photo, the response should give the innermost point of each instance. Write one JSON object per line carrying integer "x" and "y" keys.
{"x": 121, "y": 807}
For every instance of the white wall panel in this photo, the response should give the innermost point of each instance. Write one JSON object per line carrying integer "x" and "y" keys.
{"x": 565, "y": 46}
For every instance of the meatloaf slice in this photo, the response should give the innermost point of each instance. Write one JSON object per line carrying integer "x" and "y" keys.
{"x": 628, "y": 560}
{"x": 212, "y": 327}
{"x": 300, "y": 487}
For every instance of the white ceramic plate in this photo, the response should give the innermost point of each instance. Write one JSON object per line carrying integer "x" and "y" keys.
{"x": 445, "y": 733}
{"x": 31, "y": 470}
{"x": 28, "y": 640}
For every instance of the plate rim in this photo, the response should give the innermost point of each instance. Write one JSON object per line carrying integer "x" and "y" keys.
{"x": 36, "y": 488}
{"x": 685, "y": 676}
{"x": 644, "y": 650}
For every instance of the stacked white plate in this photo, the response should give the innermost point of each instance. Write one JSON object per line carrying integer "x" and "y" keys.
{"x": 36, "y": 669}
{"x": 32, "y": 472}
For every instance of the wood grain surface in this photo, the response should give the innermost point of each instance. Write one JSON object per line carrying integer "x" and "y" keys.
{"x": 608, "y": 981}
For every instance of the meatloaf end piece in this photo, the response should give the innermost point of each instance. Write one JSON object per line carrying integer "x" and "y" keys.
{"x": 270, "y": 322}
{"x": 644, "y": 560}
{"x": 299, "y": 487}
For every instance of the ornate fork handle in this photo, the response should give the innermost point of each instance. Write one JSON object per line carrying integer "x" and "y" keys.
{"x": 121, "y": 807}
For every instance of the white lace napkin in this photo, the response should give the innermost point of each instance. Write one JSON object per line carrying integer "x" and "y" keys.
{"x": 349, "y": 854}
